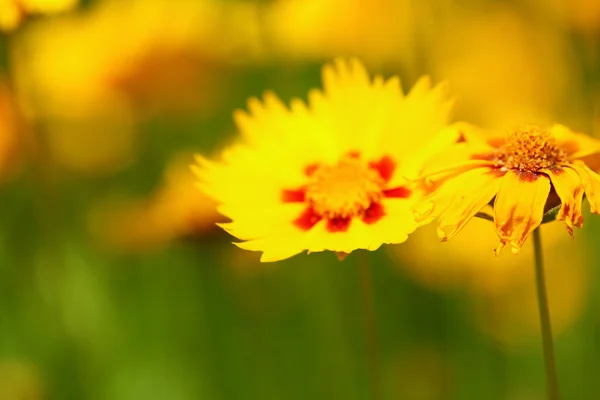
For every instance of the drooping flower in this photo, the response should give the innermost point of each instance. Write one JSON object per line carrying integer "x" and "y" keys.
{"x": 330, "y": 175}
{"x": 525, "y": 173}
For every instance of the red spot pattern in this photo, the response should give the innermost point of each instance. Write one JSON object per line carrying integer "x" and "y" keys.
{"x": 373, "y": 214}
{"x": 309, "y": 217}
{"x": 293, "y": 196}
{"x": 399, "y": 192}
{"x": 385, "y": 167}
{"x": 310, "y": 169}
{"x": 338, "y": 224}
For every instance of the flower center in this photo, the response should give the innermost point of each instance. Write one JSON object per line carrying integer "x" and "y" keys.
{"x": 345, "y": 189}
{"x": 530, "y": 148}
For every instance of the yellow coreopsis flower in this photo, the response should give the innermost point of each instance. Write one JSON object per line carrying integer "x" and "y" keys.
{"x": 12, "y": 12}
{"x": 525, "y": 173}
{"x": 330, "y": 175}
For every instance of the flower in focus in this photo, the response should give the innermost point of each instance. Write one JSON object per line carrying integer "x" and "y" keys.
{"x": 526, "y": 173}
{"x": 331, "y": 175}
{"x": 13, "y": 12}
{"x": 175, "y": 210}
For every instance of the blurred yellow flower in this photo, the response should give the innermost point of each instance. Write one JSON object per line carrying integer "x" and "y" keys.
{"x": 583, "y": 16}
{"x": 89, "y": 82}
{"x": 11, "y": 145}
{"x": 378, "y": 32}
{"x": 503, "y": 287}
{"x": 331, "y": 175}
{"x": 525, "y": 172}
{"x": 12, "y": 12}
{"x": 175, "y": 210}
{"x": 20, "y": 381}
{"x": 521, "y": 68}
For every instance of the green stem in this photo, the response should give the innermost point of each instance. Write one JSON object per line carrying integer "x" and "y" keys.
{"x": 548, "y": 347}
{"x": 370, "y": 324}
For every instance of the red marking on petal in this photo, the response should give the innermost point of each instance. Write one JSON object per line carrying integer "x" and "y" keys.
{"x": 496, "y": 171}
{"x": 310, "y": 169}
{"x": 293, "y": 196}
{"x": 386, "y": 167}
{"x": 496, "y": 141}
{"x": 557, "y": 170}
{"x": 307, "y": 219}
{"x": 400, "y": 192}
{"x": 354, "y": 154}
{"x": 461, "y": 138}
{"x": 527, "y": 176}
{"x": 373, "y": 214}
{"x": 484, "y": 156}
{"x": 338, "y": 224}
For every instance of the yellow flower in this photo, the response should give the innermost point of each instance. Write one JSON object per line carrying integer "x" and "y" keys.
{"x": 12, "y": 12}
{"x": 89, "y": 93}
{"x": 527, "y": 67}
{"x": 12, "y": 137}
{"x": 525, "y": 173}
{"x": 331, "y": 175}
{"x": 378, "y": 32}
{"x": 582, "y": 16}
{"x": 20, "y": 379}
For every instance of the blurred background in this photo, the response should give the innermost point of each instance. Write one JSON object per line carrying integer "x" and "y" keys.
{"x": 116, "y": 284}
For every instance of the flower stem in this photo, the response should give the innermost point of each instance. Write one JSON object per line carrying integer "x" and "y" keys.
{"x": 370, "y": 324}
{"x": 552, "y": 381}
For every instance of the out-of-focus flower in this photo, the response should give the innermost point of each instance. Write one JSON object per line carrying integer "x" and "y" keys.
{"x": 503, "y": 287}
{"x": 526, "y": 172}
{"x": 331, "y": 175}
{"x": 13, "y": 12}
{"x": 378, "y": 32}
{"x": 583, "y": 16}
{"x": 89, "y": 83}
{"x": 175, "y": 210}
{"x": 520, "y": 69}
{"x": 19, "y": 381}
{"x": 10, "y": 135}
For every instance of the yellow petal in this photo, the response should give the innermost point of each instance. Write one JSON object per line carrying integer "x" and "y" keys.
{"x": 591, "y": 183}
{"x": 569, "y": 188}
{"x": 452, "y": 191}
{"x": 471, "y": 196}
{"x": 576, "y": 145}
{"x": 519, "y": 207}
